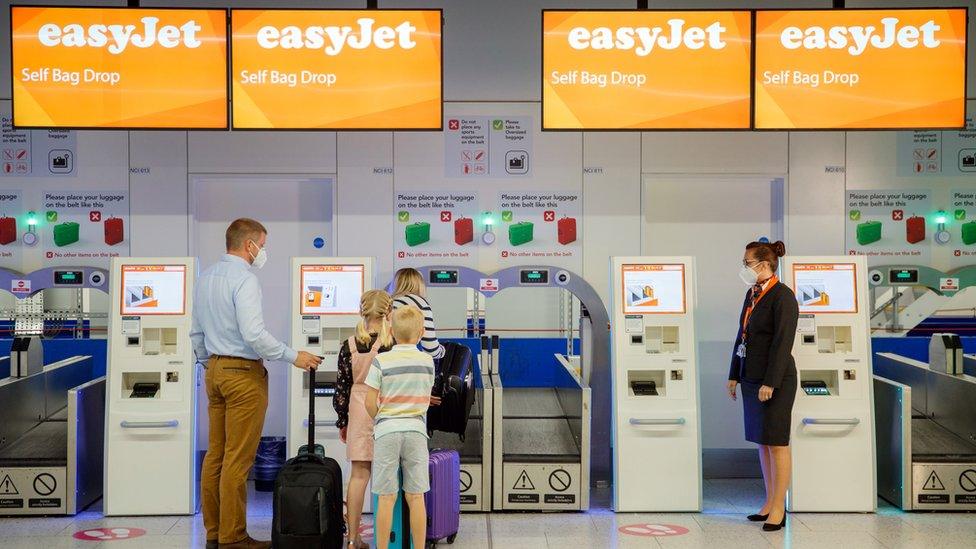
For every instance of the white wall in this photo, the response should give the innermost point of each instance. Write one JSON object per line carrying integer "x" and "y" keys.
{"x": 492, "y": 63}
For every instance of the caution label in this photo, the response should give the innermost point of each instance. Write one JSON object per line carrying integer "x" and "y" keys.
{"x": 933, "y": 498}
{"x": 11, "y": 503}
{"x": 523, "y": 482}
{"x": 565, "y": 499}
{"x": 934, "y": 483}
{"x": 523, "y": 498}
{"x": 7, "y": 487}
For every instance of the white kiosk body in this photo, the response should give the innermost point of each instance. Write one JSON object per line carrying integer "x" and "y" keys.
{"x": 656, "y": 426}
{"x": 150, "y": 422}
{"x": 833, "y": 417}
{"x": 325, "y": 310}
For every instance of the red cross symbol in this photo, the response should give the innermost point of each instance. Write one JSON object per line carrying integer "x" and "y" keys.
{"x": 549, "y": 215}
{"x": 454, "y": 124}
{"x": 446, "y": 217}
{"x": 94, "y": 217}
{"x": 897, "y": 215}
{"x": 957, "y": 253}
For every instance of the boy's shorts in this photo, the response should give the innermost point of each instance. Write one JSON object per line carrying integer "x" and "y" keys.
{"x": 406, "y": 450}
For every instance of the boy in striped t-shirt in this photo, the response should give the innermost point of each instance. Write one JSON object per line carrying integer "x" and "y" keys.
{"x": 400, "y": 381}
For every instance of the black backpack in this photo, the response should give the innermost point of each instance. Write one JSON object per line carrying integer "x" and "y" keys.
{"x": 308, "y": 496}
{"x": 454, "y": 383}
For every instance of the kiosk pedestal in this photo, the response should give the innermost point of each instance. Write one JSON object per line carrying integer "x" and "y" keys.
{"x": 150, "y": 424}
{"x": 657, "y": 433}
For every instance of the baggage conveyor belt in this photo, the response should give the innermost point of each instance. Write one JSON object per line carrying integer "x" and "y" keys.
{"x": 933, "y": 443}
{"x": 536, "y": 429}
{"x": 46, "y": 445}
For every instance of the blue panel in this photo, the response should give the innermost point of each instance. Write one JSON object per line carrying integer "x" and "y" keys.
{"x": 59, "y": 349}
{"x": 528, "y": 362}
{"x": 962, "y": 325}
{"x": 914, "y": 347}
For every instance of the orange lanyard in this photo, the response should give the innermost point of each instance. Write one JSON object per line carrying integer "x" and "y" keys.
{"x": 745, "y": 318}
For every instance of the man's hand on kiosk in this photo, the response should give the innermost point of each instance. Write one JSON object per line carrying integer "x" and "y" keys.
{"x": 731, "y": 388}
{"x": 307, "y": 361}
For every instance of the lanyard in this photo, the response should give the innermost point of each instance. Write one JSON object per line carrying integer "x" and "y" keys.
{"x": 772, "y": 281}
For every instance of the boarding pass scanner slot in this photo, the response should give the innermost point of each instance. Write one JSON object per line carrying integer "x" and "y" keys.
{"x": 647, "y": 383}
{"x": 314, "y": 341}
{"x": 834, "y": 339}
{"x": 159, "y": 341}
{"x": 661, "y": 339}
{"x": 141, "y": 384}
{"x": 815, "y": 388}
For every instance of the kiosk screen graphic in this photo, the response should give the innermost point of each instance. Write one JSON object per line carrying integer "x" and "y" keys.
{"x": 654, "y": 289}
{"x": 153, "y": 290}
{"x": 825, "y": 288}
{"x": 331, "y": 289}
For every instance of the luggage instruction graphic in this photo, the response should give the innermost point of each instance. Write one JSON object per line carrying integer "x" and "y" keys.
{"x": 895, "y": 225}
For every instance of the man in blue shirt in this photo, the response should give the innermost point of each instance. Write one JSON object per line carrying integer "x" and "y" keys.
{"x": 229, "y": 334}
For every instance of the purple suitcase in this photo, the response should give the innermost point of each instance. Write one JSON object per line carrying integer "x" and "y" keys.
{"x": 443, "y": 501}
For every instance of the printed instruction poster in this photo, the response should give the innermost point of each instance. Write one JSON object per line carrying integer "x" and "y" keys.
{"x": 939, "y": 153}
{"x": 538, "y": 227}
{"x": 437, "y": 227}
{"x": 488, "y": 146}
{"x": 83, "y": 225}
{"x": 12, "y": 226}
{"x": 890, "y": 225}
{"x": 39, "y": 153}
{"x": 962, "y": 225}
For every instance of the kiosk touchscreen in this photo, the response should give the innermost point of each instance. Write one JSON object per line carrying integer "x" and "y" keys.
{"x": 150, "y": 439}
{"x": 325, "y": 310}
{"x": 657, "y": 435}
{"x": 833, "y": 422}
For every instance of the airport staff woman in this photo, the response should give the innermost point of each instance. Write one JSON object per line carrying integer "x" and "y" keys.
{"x": 762, "y": 362}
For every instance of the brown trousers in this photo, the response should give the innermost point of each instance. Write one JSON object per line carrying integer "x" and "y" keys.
{"x": 238, "y": 393}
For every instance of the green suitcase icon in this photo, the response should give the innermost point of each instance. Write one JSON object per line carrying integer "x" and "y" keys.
{"x": 868, "y": 232}
{"x": 417, "y": 233}
{"x": 520, "y": 233}
{"x": 65, "y": 233}
{"x": 969, "y": 233}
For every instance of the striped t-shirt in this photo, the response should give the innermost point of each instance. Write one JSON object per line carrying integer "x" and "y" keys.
{"x": 428, "y": 343}
{"x": 404, "y": 377}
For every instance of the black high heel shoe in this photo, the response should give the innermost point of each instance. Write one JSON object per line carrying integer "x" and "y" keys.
{"x": 767, "y": 527}
{"x": 758, "y": 518}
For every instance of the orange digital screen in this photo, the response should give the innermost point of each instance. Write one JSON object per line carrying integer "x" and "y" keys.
{"x": 336, "y": 69}
{"x": 119, "y": 67}
{"x": 860, "y": 69}
{"x": 626, "y": 70}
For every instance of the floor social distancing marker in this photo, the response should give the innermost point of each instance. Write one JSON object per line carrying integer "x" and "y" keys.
{"x": 109, "y": 534}
{"x": 653, "y": 530}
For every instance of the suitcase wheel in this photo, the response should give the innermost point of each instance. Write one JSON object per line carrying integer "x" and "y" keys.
{"x": 451, "y": 538}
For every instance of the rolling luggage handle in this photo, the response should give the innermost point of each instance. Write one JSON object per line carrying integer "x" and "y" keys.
{"x": 311, "y": 411}
{"x": 323, "y": 423}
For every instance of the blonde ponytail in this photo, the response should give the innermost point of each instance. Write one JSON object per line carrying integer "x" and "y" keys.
{"x": 374, "y": 305}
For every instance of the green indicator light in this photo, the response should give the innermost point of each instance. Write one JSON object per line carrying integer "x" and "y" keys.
{"x": 68, "y": 276}
{"x": 904, "y": 274}
{"x": 31, "y": 219}
{"x": 535, "y": 275}
{"x": 443, "y": 276}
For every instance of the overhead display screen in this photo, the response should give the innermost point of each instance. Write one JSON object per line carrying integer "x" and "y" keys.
{"x": 825, "y": 288}
{"x": 336, "y": 69}
{"x": 153, "y": 290}
{"x": 119, "y": 68}
{"x": 860, "y": 69}
{"x": 654, "y": 289}
{"x": 626, "y": 70}
{"x": 332, "y": 289}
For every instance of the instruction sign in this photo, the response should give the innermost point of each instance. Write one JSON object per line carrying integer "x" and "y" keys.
{"x": 488, "y": 146}
{"x": 470, "y": 487}
{"x": 32, "y": 491}
{"x": 939, "y": 153}
{"x": 961, "y": 224}
{"x": 39, "y": 153}
{"x": 436, "y": 227}
{"x": 542, "y": 486}
{"x": 88, "y": 227}
{"x": 890, "y": 225}
{"x": 938, "y": 486}
{"x": 539, "y": 226}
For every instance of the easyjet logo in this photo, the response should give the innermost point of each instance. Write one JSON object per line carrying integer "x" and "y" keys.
{"x": 333, "y": 39}
{"x": 857, "y": 39}
{"x": 644, "y": 40}
{"x": 116, "y": 38}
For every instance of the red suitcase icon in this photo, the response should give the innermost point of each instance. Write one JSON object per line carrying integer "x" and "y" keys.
{"x": 915, "y": 229}
{"x": 463, "y": 231}
{"x": 8, "y": 230}
{"x": 566, "y": 230}
{"x": 114, "y": 231}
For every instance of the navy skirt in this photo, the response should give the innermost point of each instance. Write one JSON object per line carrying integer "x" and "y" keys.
{"x": 768, "y": 423}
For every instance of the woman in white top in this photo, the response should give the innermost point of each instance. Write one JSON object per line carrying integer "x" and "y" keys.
{"x": 409, "y": 289}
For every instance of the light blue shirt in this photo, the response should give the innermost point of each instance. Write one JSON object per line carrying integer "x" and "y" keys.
{"x": 227, "y": 316}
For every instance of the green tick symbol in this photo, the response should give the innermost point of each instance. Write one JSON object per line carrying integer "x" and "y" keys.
{"x": 403, "y": 217}
{"x": 52, "y": 216}
{"x": 498, "y": 125}
{"x": 855, "y": 215}
{"x": 507, "y": 216}
{"x": 960, "y": 215}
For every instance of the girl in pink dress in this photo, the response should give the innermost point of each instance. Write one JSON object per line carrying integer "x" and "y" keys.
{"x": 355, "y": 426}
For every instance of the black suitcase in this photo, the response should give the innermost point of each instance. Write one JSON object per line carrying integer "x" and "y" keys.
{"x": 454, "y": 383}
{"x": 308, "y": 495}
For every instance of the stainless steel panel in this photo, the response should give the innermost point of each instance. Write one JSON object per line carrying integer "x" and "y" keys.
{"x": 907, "y": 372}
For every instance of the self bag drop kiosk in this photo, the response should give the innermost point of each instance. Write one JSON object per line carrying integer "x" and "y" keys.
{"x": 657, "y": 433}
{"x": 150, "y": 424}
{"x": 325, "y": 310}
{"x": 833, "y": 417}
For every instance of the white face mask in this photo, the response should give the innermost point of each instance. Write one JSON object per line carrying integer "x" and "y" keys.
{"x": 260, "y": 259}
{"x": 748, "y": 276}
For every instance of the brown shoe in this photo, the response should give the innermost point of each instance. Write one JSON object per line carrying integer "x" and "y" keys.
{"x": 212, "y": 544}
{"x": 247, "y": 543}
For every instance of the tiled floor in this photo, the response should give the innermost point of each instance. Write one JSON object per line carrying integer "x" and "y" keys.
{"x": 722, "y": 525}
